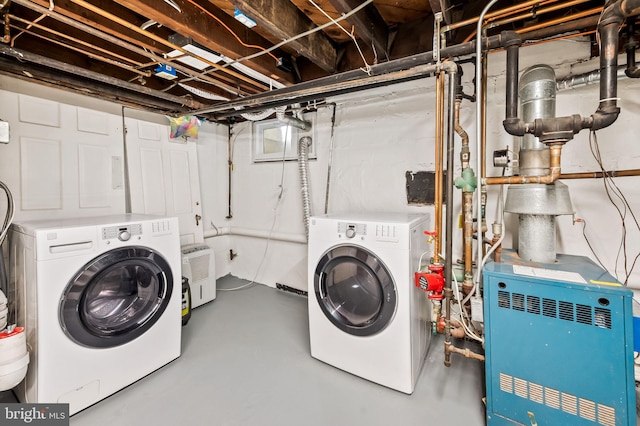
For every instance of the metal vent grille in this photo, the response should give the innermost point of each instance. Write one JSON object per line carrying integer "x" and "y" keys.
{"x": 583, "y": 314}
{"x": 549, "y": 308}
{"x": 566, "y": 311}
{"x": 504, "y": 301}
{"x": 518, "y": 302}
{"x": 570, "y": 404}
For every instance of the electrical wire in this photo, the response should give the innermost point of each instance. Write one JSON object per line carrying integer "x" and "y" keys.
{"x": 304, "y": 34}
{"x": 226, "y": 27}
{"x": 367, "y": 67}
{"x": 612, "y": 189}
{"x": 467, "y": 330}
{"x": 273, "y": 223}
{"x": 584, "y": 234}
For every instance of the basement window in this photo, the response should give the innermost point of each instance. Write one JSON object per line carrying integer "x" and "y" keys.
{"x": 275, "y": 141}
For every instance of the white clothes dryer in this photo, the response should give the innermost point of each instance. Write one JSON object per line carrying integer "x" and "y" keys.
{"x": 101, "y": 302}
{"x": 366, "y": 316}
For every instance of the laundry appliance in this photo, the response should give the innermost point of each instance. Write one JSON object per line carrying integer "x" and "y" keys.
{"x": 100, "y": 300}
{"x": 366, "y": 316}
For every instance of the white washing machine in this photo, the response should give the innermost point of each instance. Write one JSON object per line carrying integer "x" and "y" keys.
{"x": 101, "y": 302}
{"x": 366, "y": 316}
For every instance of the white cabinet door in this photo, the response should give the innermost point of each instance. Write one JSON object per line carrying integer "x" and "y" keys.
{"x": 163, "y": 177}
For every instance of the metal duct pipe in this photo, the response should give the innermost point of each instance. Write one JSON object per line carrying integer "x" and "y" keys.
{"x": 303, "y": 166}
{"x": 291, "y": 121}
{"x": 537, "y": 92}
{"x": 562, "y": 129}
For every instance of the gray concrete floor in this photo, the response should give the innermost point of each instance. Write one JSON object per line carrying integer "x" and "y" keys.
{"x": 245, "y": 361}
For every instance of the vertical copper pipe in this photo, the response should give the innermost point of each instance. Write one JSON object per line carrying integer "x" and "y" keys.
{"x": 467, "y": 208}
{"x": 439, "y": 165}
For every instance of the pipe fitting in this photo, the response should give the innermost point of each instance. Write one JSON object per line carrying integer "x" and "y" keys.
{"x": 510, "y": 38}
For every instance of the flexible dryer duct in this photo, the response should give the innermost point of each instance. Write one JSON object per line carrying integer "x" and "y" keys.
{"x": 303, "y": 166}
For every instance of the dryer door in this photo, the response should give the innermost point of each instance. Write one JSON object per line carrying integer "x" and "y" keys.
{"x": 116, "y": 297}
{"x": 355, "y": 290}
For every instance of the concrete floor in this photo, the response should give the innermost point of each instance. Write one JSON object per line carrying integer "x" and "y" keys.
{"x": 245, "y": 361}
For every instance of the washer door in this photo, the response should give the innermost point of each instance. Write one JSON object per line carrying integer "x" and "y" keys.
{"x": 355, "y": 290}
{"x": 116, "y": 297}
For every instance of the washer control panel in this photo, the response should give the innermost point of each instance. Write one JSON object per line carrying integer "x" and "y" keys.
{"x": 121, "y": 232}
{"x": 350, "y": 230}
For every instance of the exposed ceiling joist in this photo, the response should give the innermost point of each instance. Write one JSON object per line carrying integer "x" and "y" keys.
{"x": 368, "y": 23}
{"x": 79, "y": 13}
{"x": 284, "y": 20}
{"x": 196, "y": 23}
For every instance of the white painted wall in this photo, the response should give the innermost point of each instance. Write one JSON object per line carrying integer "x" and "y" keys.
{"x": 379, "y": 135}
{"x": 384, "y": 132}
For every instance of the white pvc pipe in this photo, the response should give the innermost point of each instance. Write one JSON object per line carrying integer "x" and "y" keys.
{"x": 256, "y": 233}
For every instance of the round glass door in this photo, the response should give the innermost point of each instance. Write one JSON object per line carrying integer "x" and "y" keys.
{"x": 116, "y": 297}
{"x": 355, "y": 290}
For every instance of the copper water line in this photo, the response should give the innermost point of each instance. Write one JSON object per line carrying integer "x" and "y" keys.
{"x": 467, "y": 353}
{"x": 167, "y": 43}
{"x": 467, "y": 209}
{"x": 76, "y": 40}
{"x": 531, "y": 14}
{"x": 118, "y": 42}
{"x": 553, "y": 175}
{"x": 439, "y": 141}
{"x": 598, "y": 175}
{"x": 493, "y": 23}
{"x": 498, "y": 13}
{"x": 89, "y": 54}
{"x": 7, "y": 33}
{"x": 467, "y": 204}
{"x": 463, "y": 135}
{"x": 560, "y": 20}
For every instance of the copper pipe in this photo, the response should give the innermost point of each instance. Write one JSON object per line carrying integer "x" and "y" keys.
{"x": 111, "y": 39}
{"x": 531, "y": 14}
{"x": 467, "y": 208}
{"x": 493, "y": 23}
{"x": 449, "y": 349}
{"x": 7, "y": 33}
{"x": 464, "y": 155}
{"x": 498, "y": 13}
{"x": 76, "y": 40}
{"x": 554, "y": 172}
{"x": 85, "y": 52}
{"x": 598, "y": 175}
{"x": 439, "y": 141}
{"x": 167, "y": 43}
{"x": 562, "y": 20}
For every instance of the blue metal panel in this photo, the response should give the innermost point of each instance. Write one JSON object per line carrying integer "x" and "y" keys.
{"x": 557, "y": 352}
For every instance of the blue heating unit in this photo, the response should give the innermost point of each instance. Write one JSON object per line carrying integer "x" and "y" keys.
{"x": 559, "y": 344}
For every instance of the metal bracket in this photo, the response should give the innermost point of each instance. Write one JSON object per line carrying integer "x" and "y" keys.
{"x": 437, "y": 20}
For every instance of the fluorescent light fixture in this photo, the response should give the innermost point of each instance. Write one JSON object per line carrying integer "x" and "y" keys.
{"x": 193, "y": 62}
{"x": 191, "y": 47}
{"x": 248, "y": 22}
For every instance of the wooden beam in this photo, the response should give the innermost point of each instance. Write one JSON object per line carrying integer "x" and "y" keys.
{"x": 368, "y": 23}
{"x": 284, "y": 20}
{"x": 197, "y": 24}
